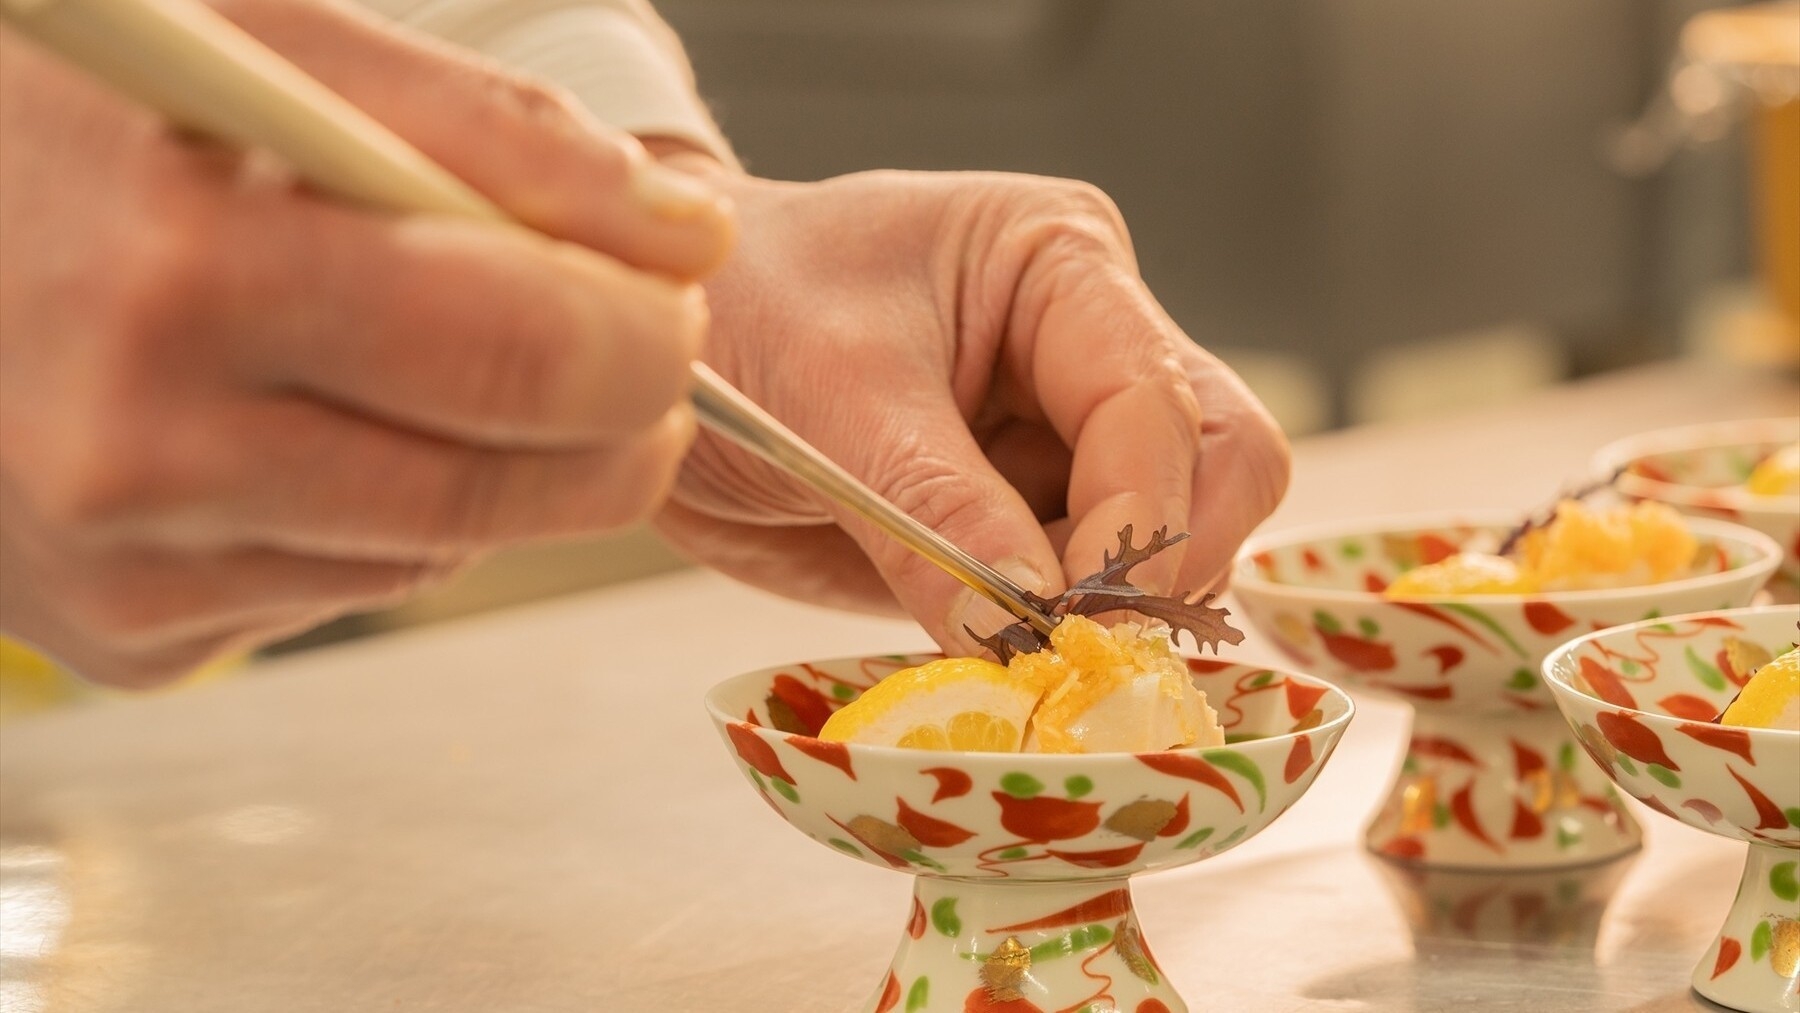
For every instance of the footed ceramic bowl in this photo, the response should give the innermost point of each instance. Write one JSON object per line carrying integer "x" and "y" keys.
{"x": 1020, "y": 860}
{"x": 1491, "y": 779}
{"x": 1700, "y": 470}
{"x": 1640, "y": 698}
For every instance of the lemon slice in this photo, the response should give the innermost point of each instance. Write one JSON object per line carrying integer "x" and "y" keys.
{"x": 1771, "y": 699}
{"x": 1463, "y": 573}
{"x": 953, "y": 703}
{"x": 1778, "y": 474}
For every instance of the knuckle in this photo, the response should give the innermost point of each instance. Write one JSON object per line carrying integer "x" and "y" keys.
{"x": 529, "y": 103}
{"x": 929, "y": 488}
{"x": 104, "y": 479}
{"x": 514, "y": 375}
{"x": 472, "y": 511}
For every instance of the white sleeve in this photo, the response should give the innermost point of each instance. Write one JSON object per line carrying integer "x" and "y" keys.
{"x": 617, "y": 57}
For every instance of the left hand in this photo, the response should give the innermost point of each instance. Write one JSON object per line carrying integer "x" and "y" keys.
{"x": 980, "y": 349}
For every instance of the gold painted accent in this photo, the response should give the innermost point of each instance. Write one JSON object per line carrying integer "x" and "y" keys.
{"x": 1004, "y": 970}
{"x": 1402, "y": 550}
{"x": 1784, "y": 954}
{"x": 1131, "y": 950}
{"x": 1313, "y": 719}
{"x": 1418, "y": 802}
{"x": 1142, "y": 819}
{"x": 783, "y": 717}
{"x": 1746, "y": 657}
{"x": 1292, "y": 628}
{"x": 1597, "y": 744}
{"x": 1568, "y": 792}
{"x": 1538, "y": 791}
{"x": 882, "y": 835}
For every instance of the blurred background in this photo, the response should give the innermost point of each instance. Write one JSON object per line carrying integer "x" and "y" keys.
{"x": 1375, "y": 211}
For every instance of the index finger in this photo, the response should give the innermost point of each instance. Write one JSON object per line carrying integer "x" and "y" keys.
{"x": 1128, "y": 412}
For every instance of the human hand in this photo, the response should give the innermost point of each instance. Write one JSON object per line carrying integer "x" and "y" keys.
{"x": 980, "y": 349}
{"x": 233, "y": 408}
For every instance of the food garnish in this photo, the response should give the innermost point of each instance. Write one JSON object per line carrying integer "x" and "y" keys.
{"x": 1085, "y": 688}
{"x": 1095, "y": 689}
{"x": 1109, "y": 591}
{"x": 1578, "y": 549}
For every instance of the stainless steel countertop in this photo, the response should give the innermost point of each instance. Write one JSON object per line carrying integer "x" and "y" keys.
{"x": 529, "y": 811}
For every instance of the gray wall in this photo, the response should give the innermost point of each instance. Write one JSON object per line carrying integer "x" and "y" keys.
{"x": 1316, "y": 178}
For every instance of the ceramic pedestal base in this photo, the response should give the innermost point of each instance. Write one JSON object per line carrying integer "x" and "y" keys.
{"x": 1499, "y": 790}
{"x": 1017, "y": 946}
{"x": 1754, "y": 965}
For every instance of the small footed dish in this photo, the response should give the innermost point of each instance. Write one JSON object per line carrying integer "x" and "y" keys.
{"x": 1639, "y": 698}
{"x": 1021, "y": 860}
{"x": 1491, "y": 778}
{"x": 1702, "y": 471}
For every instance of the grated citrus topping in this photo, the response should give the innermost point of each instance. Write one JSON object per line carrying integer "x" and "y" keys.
{"x": 1094, "y": 690}
{"x": 1580, "y": 548}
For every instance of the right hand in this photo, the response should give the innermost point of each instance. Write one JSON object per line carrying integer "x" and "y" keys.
{"x": 234, "y": 408}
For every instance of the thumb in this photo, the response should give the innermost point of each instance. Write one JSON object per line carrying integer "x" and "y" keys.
{"x": 924, "y": 460}
{"x": 524, "y": 144}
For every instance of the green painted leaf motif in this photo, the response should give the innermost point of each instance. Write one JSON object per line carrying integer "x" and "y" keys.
{"x": 1625, "y": 764}
{"x": 1242, "y": 766}
{"x": 944, "y": 919}
{"x": 845, "y": 846}
{"x": 1783, "y": 883}
{"x": 1475, "y": 614}
{"x": 1021, "y": 785}
{"x": 1073, "y": 941}
{"x": 921, "y": 858}
{"x": 1233, "y": 837}
{"x": 1663, "y": 774}
{"x": 1409, "y": 765}
{"x": 1705, "y": 671}
{"x": 919, "y": 995}
{"x": 1793, "y": 816}
{"x": 1262, "y": 680}
{"x": 1012, "y": 853}
{"x": 1567, "y": 836}
{"x": 1196, "y": 838}
{"x": 1368, "y": 627}
{"x": 756, "y": 779}
{"x": 841, "y": 691}
{"x": 784, "y": 789}
{"x": 1351, "y": 550}
{"x": 1629, "y": 667}
{"x": 1327, "y": 622}
{"x": 1078, "y": 786}
{"x": 1522, "y": 679}
{"x": 1760, "y": 940}
{"x": 1565, "y": 756}
{"x": 1440, "y": 815}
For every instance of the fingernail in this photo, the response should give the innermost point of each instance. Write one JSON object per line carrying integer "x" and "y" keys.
{"x": 671, "y": 193}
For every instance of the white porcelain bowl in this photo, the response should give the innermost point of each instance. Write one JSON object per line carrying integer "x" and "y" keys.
{"x": 1020, "y": 860}
{"x": 1700, "y": 470}
{"x": 1639, "y": 697}
{"x": 1490, "y": 779}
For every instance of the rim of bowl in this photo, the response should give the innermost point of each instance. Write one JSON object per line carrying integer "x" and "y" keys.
{"x": 1700, "y": 436}
{"x": 1768, "y": 557}
{"x": 1553, "y": 678}
{"x": 1337, "y": 723}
